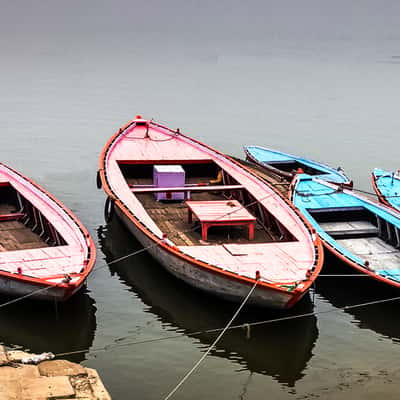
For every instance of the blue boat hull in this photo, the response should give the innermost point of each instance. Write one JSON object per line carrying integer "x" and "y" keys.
{"x": 287, "y": 165}
{"x": 387, "y": 187}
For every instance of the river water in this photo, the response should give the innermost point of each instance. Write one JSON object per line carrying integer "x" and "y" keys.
{"x": 319, "y": 79}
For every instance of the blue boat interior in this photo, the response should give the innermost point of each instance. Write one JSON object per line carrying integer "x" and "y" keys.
{"x": 361, "y": 230}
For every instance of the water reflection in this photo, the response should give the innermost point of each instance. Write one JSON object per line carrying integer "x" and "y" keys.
{"x": 281, "y": 350}
{"x": 344, "y": 291}
{"x": 40, "y": 327}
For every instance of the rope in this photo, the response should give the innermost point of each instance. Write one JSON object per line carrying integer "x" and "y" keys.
{"x": 25, "y": 296}
{"x": 241, "y": 326}
{"x": 182, "y": 381}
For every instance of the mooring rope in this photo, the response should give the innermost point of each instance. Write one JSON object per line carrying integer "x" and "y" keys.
{"x": 182, "y": 381}
{"x": 241, "y": 326}
{"x": 25, "y": 296}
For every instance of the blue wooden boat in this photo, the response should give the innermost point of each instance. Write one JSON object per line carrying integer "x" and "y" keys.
{"x": 361, "y": 232}
{"x": 387, "y": 187}
{"x": 286, "y": 165}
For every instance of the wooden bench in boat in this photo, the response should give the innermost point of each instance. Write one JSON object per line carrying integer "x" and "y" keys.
{"x": 11, "y": 216}
{"x": 349, "y": 229}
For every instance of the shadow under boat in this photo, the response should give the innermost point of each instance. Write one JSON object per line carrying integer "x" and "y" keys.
{"x": 342, "y": 288}
{"x": 281, "y": 350}
{"x": 37, "y": 326}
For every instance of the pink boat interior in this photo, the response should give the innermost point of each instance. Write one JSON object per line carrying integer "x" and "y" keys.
{"x": 155, "y": 172}
{"x": 31, "y": 245}
{"x": 201, "y": 184}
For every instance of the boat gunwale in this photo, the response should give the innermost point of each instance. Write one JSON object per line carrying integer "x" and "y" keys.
{"x": 296, "y": 294}
{"x": 88, "y": 262}
{"x": 334, "y": 250}
{"x": 381, "y": 198}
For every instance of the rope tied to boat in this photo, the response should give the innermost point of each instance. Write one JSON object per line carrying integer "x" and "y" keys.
{"x": 241, "y": 326}
{"x": 26, "y": 296}
{"x": 182, "y": 381}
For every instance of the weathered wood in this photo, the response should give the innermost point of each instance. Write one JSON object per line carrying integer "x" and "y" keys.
{"x": 379, "y": 254}
{"x": 19, "y": 237}
{"x": 343, "y": 229}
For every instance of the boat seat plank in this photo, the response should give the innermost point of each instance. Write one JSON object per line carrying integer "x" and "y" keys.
{"x": 343, "y": 229}
{"x": 10, "y": 216}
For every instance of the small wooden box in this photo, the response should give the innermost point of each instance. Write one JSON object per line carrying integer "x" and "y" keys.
{"x": 167, "y": 176}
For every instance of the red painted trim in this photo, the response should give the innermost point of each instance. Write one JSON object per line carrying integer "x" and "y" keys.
{"x": 11, "y": 217}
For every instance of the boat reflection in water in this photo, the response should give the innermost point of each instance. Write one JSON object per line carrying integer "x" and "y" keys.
{"x": 381, "y": 317}
{"x": 281, "y": 350}
{"x": 41, "y": 327}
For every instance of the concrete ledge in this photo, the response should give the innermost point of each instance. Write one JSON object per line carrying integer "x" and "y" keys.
{"x": 49, "y": 380}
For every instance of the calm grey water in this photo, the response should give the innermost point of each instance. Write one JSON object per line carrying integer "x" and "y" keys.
{"x": 315, "y": 78}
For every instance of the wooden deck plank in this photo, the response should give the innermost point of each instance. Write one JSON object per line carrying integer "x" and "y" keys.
{"x": 10, "y": 225}
{"x": 378, "y": 253}
{"x": 272, "y": 261}
{"x": 14, "y": 235}
{"x": 7, "y": 208}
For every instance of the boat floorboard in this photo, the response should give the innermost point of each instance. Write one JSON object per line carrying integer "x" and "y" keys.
{"x": 14, "y": 235}
{"x": 377, "y": 252}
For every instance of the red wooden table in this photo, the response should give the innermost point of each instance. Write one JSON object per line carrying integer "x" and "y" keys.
{"x": 220, "y": 213}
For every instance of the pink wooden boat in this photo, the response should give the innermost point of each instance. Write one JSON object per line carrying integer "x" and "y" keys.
{"x": 44, "y": 250}
{"x": 207, "y": 219}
